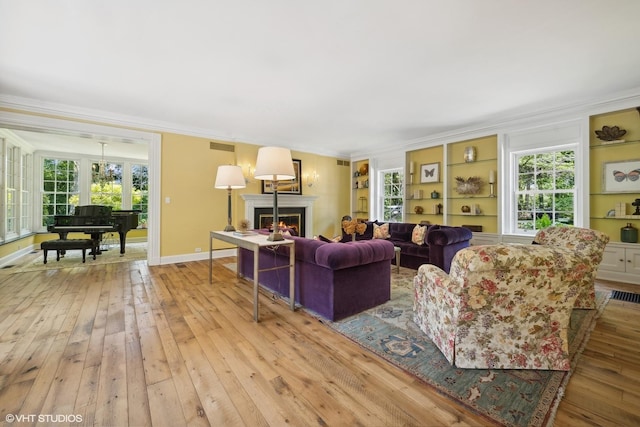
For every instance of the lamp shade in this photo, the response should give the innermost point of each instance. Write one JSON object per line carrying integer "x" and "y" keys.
{"x": 274, "y": 163}
{"x": 229, "y": 176}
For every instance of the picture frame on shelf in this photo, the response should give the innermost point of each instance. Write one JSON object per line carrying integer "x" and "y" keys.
{"x": 286, "y": 186}
{"x": 621, "y": 177}
{"x": 429, "y": 172}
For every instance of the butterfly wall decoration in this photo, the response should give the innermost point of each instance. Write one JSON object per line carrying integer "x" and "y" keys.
{"x": 621, "y": 177}
{"x": 430, "y": 172}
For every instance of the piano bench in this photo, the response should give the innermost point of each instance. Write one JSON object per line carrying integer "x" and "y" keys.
{"x": 60, "y": 245}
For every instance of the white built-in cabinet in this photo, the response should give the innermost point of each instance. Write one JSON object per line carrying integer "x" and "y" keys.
{"x": 621, "y": 262}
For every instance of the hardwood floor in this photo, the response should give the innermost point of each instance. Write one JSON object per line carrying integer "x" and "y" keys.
{"x": 127, "y": 344}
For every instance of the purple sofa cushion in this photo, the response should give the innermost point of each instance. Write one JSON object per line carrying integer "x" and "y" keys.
{"x": 351, "y": 254}
{"x": 400, "y": 236}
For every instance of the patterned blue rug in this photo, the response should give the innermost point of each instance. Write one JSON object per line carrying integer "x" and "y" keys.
{"x": 506, "y": 397}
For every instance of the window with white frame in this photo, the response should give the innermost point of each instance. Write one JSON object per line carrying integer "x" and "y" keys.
{"x": 12, "y": 193}
{"x": 121, "y": 185}
{"x": 106, "y": 184}
{"x": 544, "y": 188}
{"x": 60, "y": 188}
{"x": 140, "y": 192}
{"x": 26, "y": 175}
{"x": 392, "y": 194}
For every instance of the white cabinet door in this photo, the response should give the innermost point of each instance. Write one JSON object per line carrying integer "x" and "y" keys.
{"x": 613, "y": 259}
{"x": 633, "y": 262}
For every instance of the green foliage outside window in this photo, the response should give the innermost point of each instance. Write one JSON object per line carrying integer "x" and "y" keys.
{"x": 393, "y": 199}
{"x": 545, "y": 189}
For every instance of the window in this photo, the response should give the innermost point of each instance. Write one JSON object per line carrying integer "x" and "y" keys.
{"x": 60, "y": 189}
{"x": 544, "y": 189}
{"x": 106, "y": 184}
{"x": 11, "y": 191}
{"x": 26, "y": 176}
{"x": 392, "y": 182}
{"x": 140, "y": 192}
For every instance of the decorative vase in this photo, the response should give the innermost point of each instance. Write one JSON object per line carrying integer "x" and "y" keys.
{"x": 466, "y": 209}
{"x": 470, "y": 154}
{"x": 435, "y": 194}
{"x": 629, "y": 234}
{"x": 418, "y": 210}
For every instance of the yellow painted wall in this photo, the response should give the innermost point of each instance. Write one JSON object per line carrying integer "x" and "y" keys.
{"x": 187, "y": 177}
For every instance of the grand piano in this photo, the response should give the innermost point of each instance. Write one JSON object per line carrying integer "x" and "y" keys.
{"x": 96, "y": 220}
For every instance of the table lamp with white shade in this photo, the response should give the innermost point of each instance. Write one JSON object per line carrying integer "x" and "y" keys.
{"x": 274, "y": 163}
{"x": 229, "y": 177}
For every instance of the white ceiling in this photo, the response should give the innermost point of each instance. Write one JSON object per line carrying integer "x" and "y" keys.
{"x": 335, "y": 77}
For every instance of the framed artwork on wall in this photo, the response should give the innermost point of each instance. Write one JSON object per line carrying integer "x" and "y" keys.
{"x": 287, "y": 186}
{"x": 621, "y": 177}
{"x": 429, "y": 172}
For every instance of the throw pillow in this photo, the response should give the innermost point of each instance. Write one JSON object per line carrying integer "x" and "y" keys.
{"x": 381, "y": 231}
{"x": 417, "y": 236}
{"x": 324, "y": 239}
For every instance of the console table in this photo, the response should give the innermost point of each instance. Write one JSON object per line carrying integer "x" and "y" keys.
{"x": 254, "y": 242}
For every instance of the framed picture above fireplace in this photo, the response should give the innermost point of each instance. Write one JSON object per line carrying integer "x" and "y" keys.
{"x": 287, "y": 186}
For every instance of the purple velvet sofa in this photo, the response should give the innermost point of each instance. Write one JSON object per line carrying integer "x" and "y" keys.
{"x": 441, "y": 243}
{"x": 334, "y": 280}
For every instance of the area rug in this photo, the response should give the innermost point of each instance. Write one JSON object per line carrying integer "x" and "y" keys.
{"x": 506, "y": 397}
{"x": 34, "y": 261}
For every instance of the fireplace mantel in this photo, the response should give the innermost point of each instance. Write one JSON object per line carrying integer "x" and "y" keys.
{"x": 252, "y": 201}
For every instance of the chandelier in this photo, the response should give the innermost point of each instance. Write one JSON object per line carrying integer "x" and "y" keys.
{"x": 101, "y": 174}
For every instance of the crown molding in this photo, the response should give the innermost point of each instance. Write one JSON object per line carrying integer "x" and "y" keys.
{"x": 65, "y": 111}
{"x": 532, "y": 117}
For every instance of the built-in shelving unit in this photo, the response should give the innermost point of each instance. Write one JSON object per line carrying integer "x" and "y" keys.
{"x": 621, "y": 260}
{"x": 360, "y": 190}
{"x": 424, "y": 188}
{"x": 478, "y": 209}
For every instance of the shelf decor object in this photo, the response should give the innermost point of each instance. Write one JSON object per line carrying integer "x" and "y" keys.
{"x": 471, "y": 185}
{"x": 610, "y": 135}
{"x": 469, "y": 154}
{"x": 229, "y": 177}
{"x": 492, "y": 180}
{"x": 410, "y": 172}
{"x": 275, "y": 164}
{"x": 621, "y": 177}
{"x": 430, "y": 172}
{"x": 629, "y": 234}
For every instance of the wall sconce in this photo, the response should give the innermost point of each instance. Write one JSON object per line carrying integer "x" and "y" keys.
{"x": 248, "y": 173}
{"x": 311, "y": 179}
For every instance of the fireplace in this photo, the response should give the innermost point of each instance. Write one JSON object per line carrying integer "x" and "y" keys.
{"x": 288, "y": 217}
{"x": 285, "y": 201}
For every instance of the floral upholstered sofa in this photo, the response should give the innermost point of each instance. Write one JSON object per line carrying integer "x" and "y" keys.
{"x": 501, "y": 306}
{"x": 585, "y": 243}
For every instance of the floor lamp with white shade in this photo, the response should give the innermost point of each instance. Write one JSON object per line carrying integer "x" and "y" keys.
{"x": 229, "y": 177}
{"x": 274, "y": 163}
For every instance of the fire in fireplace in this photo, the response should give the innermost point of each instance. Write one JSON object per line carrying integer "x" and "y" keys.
{"x": 292, "y": 218}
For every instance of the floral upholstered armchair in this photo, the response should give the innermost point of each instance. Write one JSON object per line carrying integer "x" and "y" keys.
{"x": 586, "y": 243}
{"x": 501, "y": 306}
